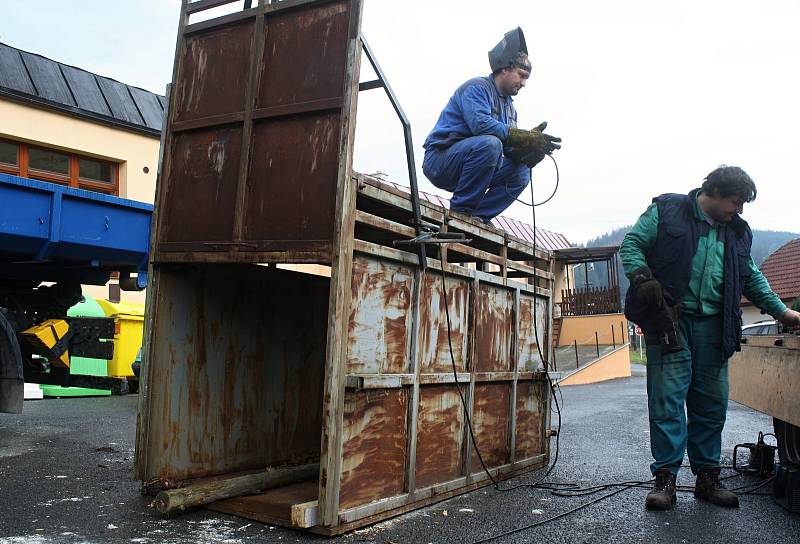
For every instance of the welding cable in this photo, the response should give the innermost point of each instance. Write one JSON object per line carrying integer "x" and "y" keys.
{"x": 553, "y": 387}
{"x": 533, "y": 204}
{"x": 455, "y": 377}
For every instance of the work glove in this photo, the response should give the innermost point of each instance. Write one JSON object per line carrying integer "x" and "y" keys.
{"x": 526, "y": 156}
{"x": 534, "y": 139}
{"x": 647, "y": 289}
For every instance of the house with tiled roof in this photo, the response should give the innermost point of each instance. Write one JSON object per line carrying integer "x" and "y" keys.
{"x": 782, "y": 270}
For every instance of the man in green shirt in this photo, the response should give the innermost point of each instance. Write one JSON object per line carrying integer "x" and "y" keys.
{"x": 688, "y": 259}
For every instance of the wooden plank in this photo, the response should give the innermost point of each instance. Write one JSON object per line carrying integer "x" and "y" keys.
{"x": 767, "y": 378}
{"x": 291, "y": 506}
{"x": 339, "y": 304}
{"x": 523, "y": 246}
{"x": 218, "y": 22}
{"x": 198, "y": 494}
{"x": 512, "y": 424}
{"x": 413, "y": 409}
{"x": 202, "y": 5}
{"x": 143, "y": 431}
{"x": 211, "y": 121}
{"x": 384, "y": 224}
{"x": 481, "y": 377}
{"x": 245, "y": 257}
{"x": 398, "y": 199}
{"x": 393, "y": 506}
{"x": 378, "y": 381}
{"x": 247, "y": 130}
{"x": 311, "y": 106}
{"x": 369, "y": 248}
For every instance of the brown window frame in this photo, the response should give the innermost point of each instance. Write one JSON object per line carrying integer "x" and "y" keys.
{"x": 73, "y": 179}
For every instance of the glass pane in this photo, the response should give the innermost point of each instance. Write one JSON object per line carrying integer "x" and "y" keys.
{"x": 49, "y": 161}
{"x": 8, "y": 153}
{"x": 96, "y": 170}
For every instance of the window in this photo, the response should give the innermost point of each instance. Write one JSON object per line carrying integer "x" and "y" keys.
{"x": 62, "y": 167}
{"x": 93, "y": 170}
{"x": 8, "y": 153}
{"x": 49, "y": 161}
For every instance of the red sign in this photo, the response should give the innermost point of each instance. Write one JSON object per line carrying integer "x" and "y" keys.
{"x": 638, "y": 330}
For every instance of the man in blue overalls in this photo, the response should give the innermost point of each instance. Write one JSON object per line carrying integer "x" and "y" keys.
{"x": 476, "y": 150}
{"x": 688, "y": 259}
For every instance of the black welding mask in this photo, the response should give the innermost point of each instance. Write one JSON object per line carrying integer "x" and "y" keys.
{"x": 510, "y": 52}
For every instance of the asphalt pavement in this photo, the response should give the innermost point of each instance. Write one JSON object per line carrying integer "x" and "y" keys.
{"x": 66, "y": 476}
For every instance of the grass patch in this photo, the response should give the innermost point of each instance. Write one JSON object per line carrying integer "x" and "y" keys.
{"x": 635, "y": 356}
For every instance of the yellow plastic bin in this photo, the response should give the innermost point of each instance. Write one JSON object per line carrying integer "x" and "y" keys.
{"x": 128, "y": 329}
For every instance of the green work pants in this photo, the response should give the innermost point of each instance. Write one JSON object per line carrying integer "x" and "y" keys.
{"x": 687, "y": 396}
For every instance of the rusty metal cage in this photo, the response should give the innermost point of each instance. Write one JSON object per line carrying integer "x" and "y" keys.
{"x": 250, "y": 366}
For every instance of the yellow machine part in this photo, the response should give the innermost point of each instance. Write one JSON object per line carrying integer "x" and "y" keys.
{"x": 46, "y": 335}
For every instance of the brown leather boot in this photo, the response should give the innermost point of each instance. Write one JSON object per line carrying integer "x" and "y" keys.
{"x": 663, "y": 495}
{"x": 709, "y": 488}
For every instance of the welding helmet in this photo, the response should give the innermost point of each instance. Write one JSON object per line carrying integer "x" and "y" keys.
{"x": 510, "y": 52}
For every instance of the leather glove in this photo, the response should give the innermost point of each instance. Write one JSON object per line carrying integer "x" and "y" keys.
{"x": 534, "y": 139}
{"x": 647, "y": 289}
{"x": 525, "y": 156}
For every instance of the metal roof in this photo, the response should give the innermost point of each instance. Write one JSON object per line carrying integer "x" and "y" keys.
{"x": 39, "y": 81}
{"x": 574, "y": 255}
{"x": 544, "y": 239}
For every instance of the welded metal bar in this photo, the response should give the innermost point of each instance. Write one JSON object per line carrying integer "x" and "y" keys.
{"x": 412, "y": 169}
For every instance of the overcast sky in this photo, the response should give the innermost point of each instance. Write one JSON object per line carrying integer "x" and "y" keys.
{"x": 648, "y": 96}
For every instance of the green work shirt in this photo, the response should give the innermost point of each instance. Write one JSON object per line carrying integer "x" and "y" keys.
{"x": 704, "y": 296}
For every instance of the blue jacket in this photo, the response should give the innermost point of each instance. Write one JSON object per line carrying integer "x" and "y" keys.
{"x": 671, "y": 263}
{"x": 476, "y": 108}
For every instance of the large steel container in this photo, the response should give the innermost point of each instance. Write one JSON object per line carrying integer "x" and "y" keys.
{"x": 249, "y": 366}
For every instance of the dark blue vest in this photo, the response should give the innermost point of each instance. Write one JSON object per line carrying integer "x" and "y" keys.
{"x": 679, "y": 230}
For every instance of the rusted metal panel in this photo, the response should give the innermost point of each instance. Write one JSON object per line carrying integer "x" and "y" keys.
{"x": 530, "y": 330}
{"x": 530, "y": 401}
{"x": 313, "y": 70}
{"x": 440, "y": 435}
{"x": 201, "y": 188}
{"x": 378, "y": 338}
{"x": 434, "y": 347}
{"x": 230, "y": 376}
{"x": 213, "y": 73}
{"x": 490, "y": 421}
{"x": 495, "y": 329}
{"x": 374, "y": 445}
{"x": 291, "y": 185}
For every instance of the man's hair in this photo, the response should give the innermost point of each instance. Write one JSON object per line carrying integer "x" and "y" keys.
{"x": 520, "y": 61}
{"x": 728, "y": 181}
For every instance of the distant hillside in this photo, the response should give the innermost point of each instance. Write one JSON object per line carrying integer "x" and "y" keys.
{"x": 765, "y": 242}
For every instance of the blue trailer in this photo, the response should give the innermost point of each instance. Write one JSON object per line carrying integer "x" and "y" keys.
{"x": 53, "y": 239}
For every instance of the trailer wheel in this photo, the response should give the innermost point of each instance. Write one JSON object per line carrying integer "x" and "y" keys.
{"x": 788, "y": 437}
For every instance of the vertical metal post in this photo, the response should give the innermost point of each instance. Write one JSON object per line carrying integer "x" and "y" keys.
{"x": 577, "y": 359}
{"x": 597, "y": 344}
